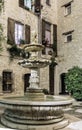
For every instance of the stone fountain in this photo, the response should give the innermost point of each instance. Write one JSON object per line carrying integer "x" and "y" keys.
{"x": 34, "y": 110}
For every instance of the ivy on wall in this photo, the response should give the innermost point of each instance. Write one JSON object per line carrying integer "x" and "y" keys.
{"x": 1, "y": 5}
{"x": 1, "y": 28}
{"x": 16, "y": 52}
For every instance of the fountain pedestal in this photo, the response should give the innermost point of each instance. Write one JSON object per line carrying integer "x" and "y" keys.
{"x": 34, "y": 93}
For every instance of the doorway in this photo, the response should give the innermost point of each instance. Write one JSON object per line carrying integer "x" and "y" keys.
{"x": 26, "y": 81}
{"x": 63, "y": 86}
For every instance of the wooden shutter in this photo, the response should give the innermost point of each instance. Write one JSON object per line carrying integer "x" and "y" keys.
{"x": 11, "y": 31}
{"x": 37, "y": 6}
{"x": 43, "y": 36}
{"x": 51, "y": 80}
{"x": 43, "y": 30}
{"x": 55, "y": 38}
{"x": 21, "y": 3}
{"x": 27, "y": 34}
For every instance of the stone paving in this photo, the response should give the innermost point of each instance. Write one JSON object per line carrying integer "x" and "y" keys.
{"x": 74, "y": 114}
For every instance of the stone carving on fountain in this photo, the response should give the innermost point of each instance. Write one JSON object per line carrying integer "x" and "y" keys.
{"x": 35, "y": 62}
{"x": 34, "y": 109}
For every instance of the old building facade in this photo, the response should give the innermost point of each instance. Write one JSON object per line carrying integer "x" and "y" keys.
{"x": 59, "y": 24}
{"x": 69, "y": 38}
{"x": 19, "y": 18}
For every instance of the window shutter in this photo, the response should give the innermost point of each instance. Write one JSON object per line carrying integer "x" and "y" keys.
{"x": 55, "y": 38}
{"x": 27, "y": 34}
{"x": 43, "y": 30}
{"x": 51, "y": 80}
{"x": 37, "y": 6}
{"x": 43, "y": 36}
{"x": 21, "y": 3}
{"x": 11, "y": 31}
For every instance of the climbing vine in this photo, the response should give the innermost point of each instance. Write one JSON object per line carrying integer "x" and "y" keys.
{"x": 1, "y": 28}
{"x": 1, "y": 5}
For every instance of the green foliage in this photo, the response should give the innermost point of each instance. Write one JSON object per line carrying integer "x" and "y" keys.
{"x": 73, "y": 81}
{"x": 45, "y": 91}
{"x": 1, "y": 37}
{"x": 1, "y": 28}
{"x": 1, "y": 5}
{"x": 15, "y": 51}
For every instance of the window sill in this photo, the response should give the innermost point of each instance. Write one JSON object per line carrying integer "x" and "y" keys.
{"x": 68, "y": 41}
{"x": 48, "y": 4}
{"x": 67, "y": 15}
{"x": 30, "y": 11}
{"x": 27, "y": 8}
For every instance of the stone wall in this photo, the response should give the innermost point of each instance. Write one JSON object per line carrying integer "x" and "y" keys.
{"x": 12, "y": 10}
{"x": 69, "y": 54}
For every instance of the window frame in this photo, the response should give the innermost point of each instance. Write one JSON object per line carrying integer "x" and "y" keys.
{"x": 22, "y": 5}
{"x": 47, "y": 29}
{"x": 27, "y": 7}
{"x": 66, "y": 6}
{"x": 23, "y": 32}
{"x": 67, "y": 38}
{"x": 67, "y": 35}
{"x": 11, "y": 32}
{"x": 7, "y": 82}
{"x": 68, "y": 9}
{"x": 35, "y": 6}
{"x": 48, "y": 46}
{"x": 48, "y": 2}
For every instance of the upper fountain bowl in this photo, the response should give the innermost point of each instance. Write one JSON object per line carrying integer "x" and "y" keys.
{"x": 33, "y": 47}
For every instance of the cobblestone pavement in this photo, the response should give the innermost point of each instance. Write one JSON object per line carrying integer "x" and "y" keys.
{"x": 75, "y": 110}
{"x": 74, "y": 114}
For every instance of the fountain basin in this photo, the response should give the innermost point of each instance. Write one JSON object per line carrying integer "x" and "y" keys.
{"x": 35, "y": 63}
{"x": 19, "y": 110}
{"x": 33, "y": 47}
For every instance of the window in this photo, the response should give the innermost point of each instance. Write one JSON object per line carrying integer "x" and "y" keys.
{"x": 33, "y": 5}
{"x": 46, "y": 33}
{"x": 68, "y": 9}
{"x": 37, "y": 6}
{"x": 27, "y": 4}
{"x": 48, "y": 2}
{"x": 7, "y": 81}
{"x": 17, "y": 32}
{"x": 46, "y": 36}
{"x": 68, "y": 36}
